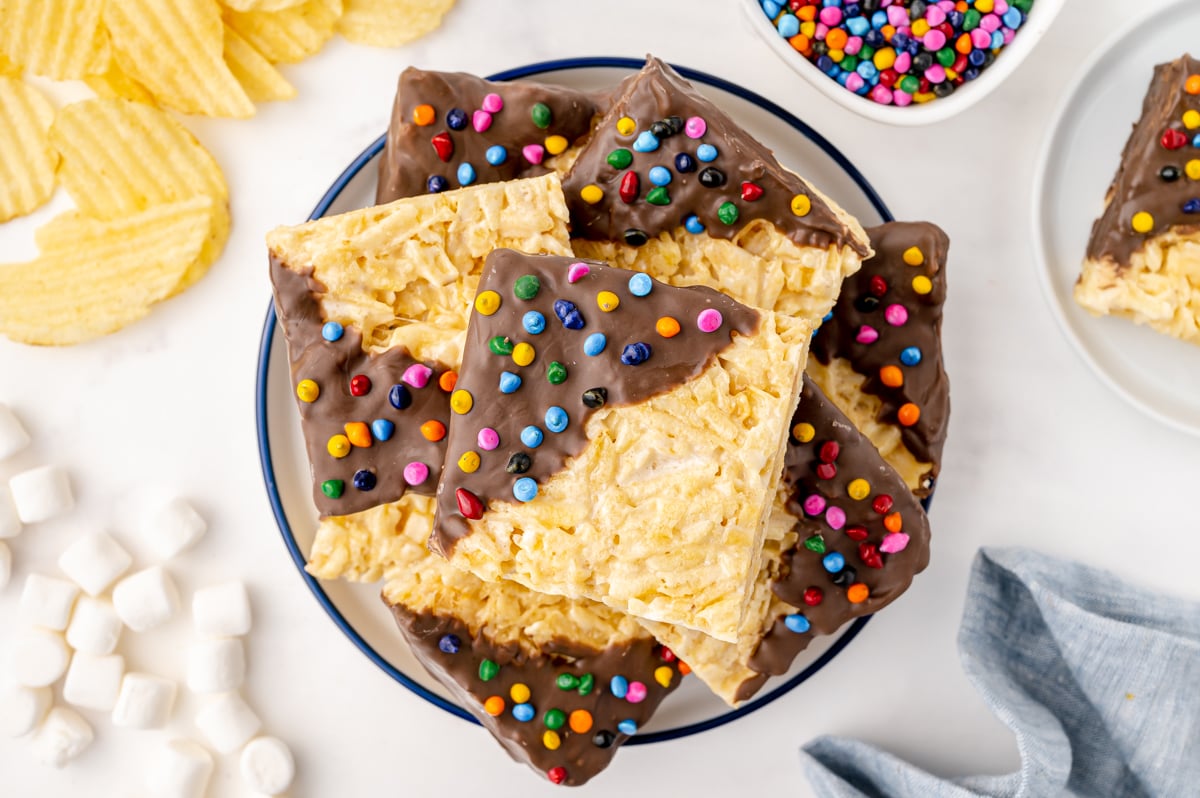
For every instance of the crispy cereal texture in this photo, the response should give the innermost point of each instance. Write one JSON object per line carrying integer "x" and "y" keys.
{"x": 405, "y": 273}
{"x": 27, "y": 159}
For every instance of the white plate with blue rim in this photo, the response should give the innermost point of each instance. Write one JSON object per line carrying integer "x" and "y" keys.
{"x": 357, "y": 609}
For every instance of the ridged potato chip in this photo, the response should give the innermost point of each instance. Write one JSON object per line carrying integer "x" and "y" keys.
{"x": 60, "y": 39}
{"x": 260, "y": 5}
{"x": 113, "y": 83}
{"x": 289, "y": 35}
{"x": 121, "y": 158}
{"x": 388, "y": 23}
{"x": 8, "y": 69}
{"x": 258, "y": 77}
{"x": 175, "y": 48}
{"x": 27, "y": 158}
{"x": 110, "y": 277}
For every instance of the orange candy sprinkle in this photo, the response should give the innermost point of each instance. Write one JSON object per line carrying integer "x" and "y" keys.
{"x": 891, "y": 376}
{"x": 908, "y": 414}
{"x": 433, "y": 430}
{"x": 807, "y": 13}
{"x": 1192, "y": 86}
{"x": 684, "y": 668}
{"x": 836, "y": 39}
{"x": 423, "y": 115}
{"x": 892, "y": 522}
{"x": 448, "y": 380}
{"x": 494, "y": 706}
{"x": 857, "y": 593}
{"x": 667, "y": 327}
{"x": 359, "y": 434}
{"x": 580, "y": 721}
{"x": 801, "y": 43}
{"x": 963, "y": 44}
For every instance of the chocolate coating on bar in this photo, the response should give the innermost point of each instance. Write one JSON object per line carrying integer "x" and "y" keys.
{"x": 658, "y": 98}
{"x": 410, "y": 158}
{"x": 1152, "y": 176}
{"x": 862, "y": 538}
{"x": 579, "y": 753}
{"x": 671, "y": 362}
{"x": 863, "y": 331}
{"x": 332, "y": 365}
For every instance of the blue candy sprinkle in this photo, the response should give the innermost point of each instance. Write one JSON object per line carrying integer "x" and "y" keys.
{"x": 524, "y": 712}
{"x": 568, "y": 314}
{"x": 977, "y": 57}
{"x": 332, "y": 331}
{"x": 1192, "y": 206}
{"x": 627, "y": 726}
{"x": 437, "y": 184}
{"x": 399, "y": 397}
{"x": 618, "y": 686}
{"x": 634, "y": 354}
{"x": 911, "y": 356}
{"x": 693, "y": 224}
{"x": 525, "y": 489}
{"x": 496, "y": 155}
{"x": 660, "y": 175}
{"x": 827, "y": 317}
{"x": 867, "y": 70}
{"x": 466, "y": 174}
{"x": 684, "y": 163}
{"x": 1196, "y": 141}
{"x": 997, "y": 40}
{"x": 833, "y": 562}
{"x": 1013, "y": 18}
{"x": 509, "y": 382}
{"x": 531, "y": 436}
{"x": 879, "y": 19}
{"x": 594, "y": 344}
{"x": 797, "y": 623}
{"x": 856, "y": 25}
{"x": 640, "y": 284}
{"x": 533, "y": 322}
{"x": 449, "y": 644}
{"x": 382, "y": 429}
{"x": 788, "y": 26}
{"x": 364, "y": 480}
{"x": 706, "y": 153}
{"x": 556, "y": 419}
{"x": 456, "y": 119}
{"x": 771, "y": 8}
{"x": 646, "y": 142}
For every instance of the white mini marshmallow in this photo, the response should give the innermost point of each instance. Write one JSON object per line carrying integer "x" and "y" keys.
{"x": 94, "y": 682}
{"x": 227, "y": 722}
{"x": 267, "y": 765}
{"x": 181, "y": 769}
{"x": 171, "y": 528}
{"x": 93, "y": 562}
{"x": 221, "y": 610}
{"x": 41, "y": 493}
{"x": 146, "y": 599}
{"x": 10, "y": 523}
{"x": 145, "y": 702}
{"x": 5, "y": 564}
{"x": 95, "y": 627}
{"x": 38, "y": 658}
{"x": 22, "y": 709}
{"x": 13, "y": 437}
{"x": 215, "y": 666}
{"x": 63, "y": 736}
{"x": 47, "y": 602}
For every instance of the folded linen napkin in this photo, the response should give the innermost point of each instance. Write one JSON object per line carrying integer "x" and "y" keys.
{"x": 1099, "y": 680}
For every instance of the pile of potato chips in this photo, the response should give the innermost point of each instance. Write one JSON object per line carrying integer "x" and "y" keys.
{"x": 152, "y": 207}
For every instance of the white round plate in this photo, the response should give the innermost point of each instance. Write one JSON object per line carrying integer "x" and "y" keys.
{"x": 1157, "y": 374}
{"x": 356, "y": 608}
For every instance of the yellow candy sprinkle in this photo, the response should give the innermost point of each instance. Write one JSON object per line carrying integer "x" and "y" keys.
{"x": 801, "y": 205}
{"x": 469, "y": 464}
{"x": 487, "y": 303}
{"x": 555, "y": 144}
{"x": 804, "y": 432}
{"x": 338, "y": 446}
{"x": 885, "y": 58}
{"x": 461, "y": 402}
{"x": 920, "y": 27}
{"x": 913, "y": 256}
{"x": 663, "y": 675}
{"x": 858, "y": 489}
{"x": 626, "y": 126}
{"x": 551, "y": 740}
{"x": 308, "y": 391}
{"x": 922, "y": 97}
{"x": 1191, "y": 120}
{"x": 519, "y": 693}
{"x": 1192, "y": 169}
{"x": 950, "y": 74}
{"x": 982, "y": 6}
{"x": 591, "y": 194}
{"x": 837, "y": 55}
{"x": 808, "y": 29}
{"x": 523, "y": 354}
{"x": 1142, "y": 222}
{"x": 607, "y": 301}
{"x": 922, "y": 284}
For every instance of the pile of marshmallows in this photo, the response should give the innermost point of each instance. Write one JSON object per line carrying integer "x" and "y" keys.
{"x": 78, "y": 635}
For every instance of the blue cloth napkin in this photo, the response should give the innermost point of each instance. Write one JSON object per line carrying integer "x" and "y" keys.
{"x": 1098, "y": 680}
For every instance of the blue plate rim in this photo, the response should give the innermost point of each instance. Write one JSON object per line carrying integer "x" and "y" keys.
{"x": 264, "y": 365}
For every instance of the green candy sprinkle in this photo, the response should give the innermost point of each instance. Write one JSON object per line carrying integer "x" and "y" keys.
{"x": 727, "y": 213}
{"x": 541, "y": 115}
{"x": 500, "y": 345}
{"x": 815, "y": 543}
{"x": 971, "y": 19}
{"x": 566, "y": 681}
{"x": 556, "y": 373}
{"x": 909, "y": 84}
{"x": 619, "y": 159}
{"x": 849, "y": 63}
{"x": 658, "y": 196}
{"x": 586, "y": 682}
{"x": 554, "y": 719}
{"x": 333, "y": 488}
{"x": 527, "y": 287}
{"x": 946, "y": 56}
{"x": 488, "y": 670}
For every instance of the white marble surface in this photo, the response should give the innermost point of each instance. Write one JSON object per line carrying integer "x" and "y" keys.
{"x": 1040, "y": 453}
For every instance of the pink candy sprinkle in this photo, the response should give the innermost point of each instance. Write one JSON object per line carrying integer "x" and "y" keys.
{"x": 935, "y": 16}
{"x": 934, "y": 40}
{"x": 882, "y": 95}
{"x": 417, "y": 375}
{"x": 636, "y": 693}
{"x": 709, "y": 320}
{"x": 492, "y": 103}
{"x": 990, "y": 23}
{"x": 695, "y": 127}
{"x": 813, "y": 505}
{"x": 894, "y": 542}
{"x": 896, "y": 315}
{"x": 936, "y": 74}
{"x": 901, "y": 98}
{"x": 415, "y": 473}
{"x": 831, "y": 15}
{"x": 481, "y": 121}
{"x": 835, "y": 517}
{"x": 903, "y": 62}
{"x": 897, "y": 16}
{"x": 488, "y": 439}
{"x": 981, "y": 39}
{"x": 854, "y": 81}
{"x": 853, "y": 45}
{"x": 534, "y": 153}
{"x": 577, "y": 271}
{"x": 866, "y": 333}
